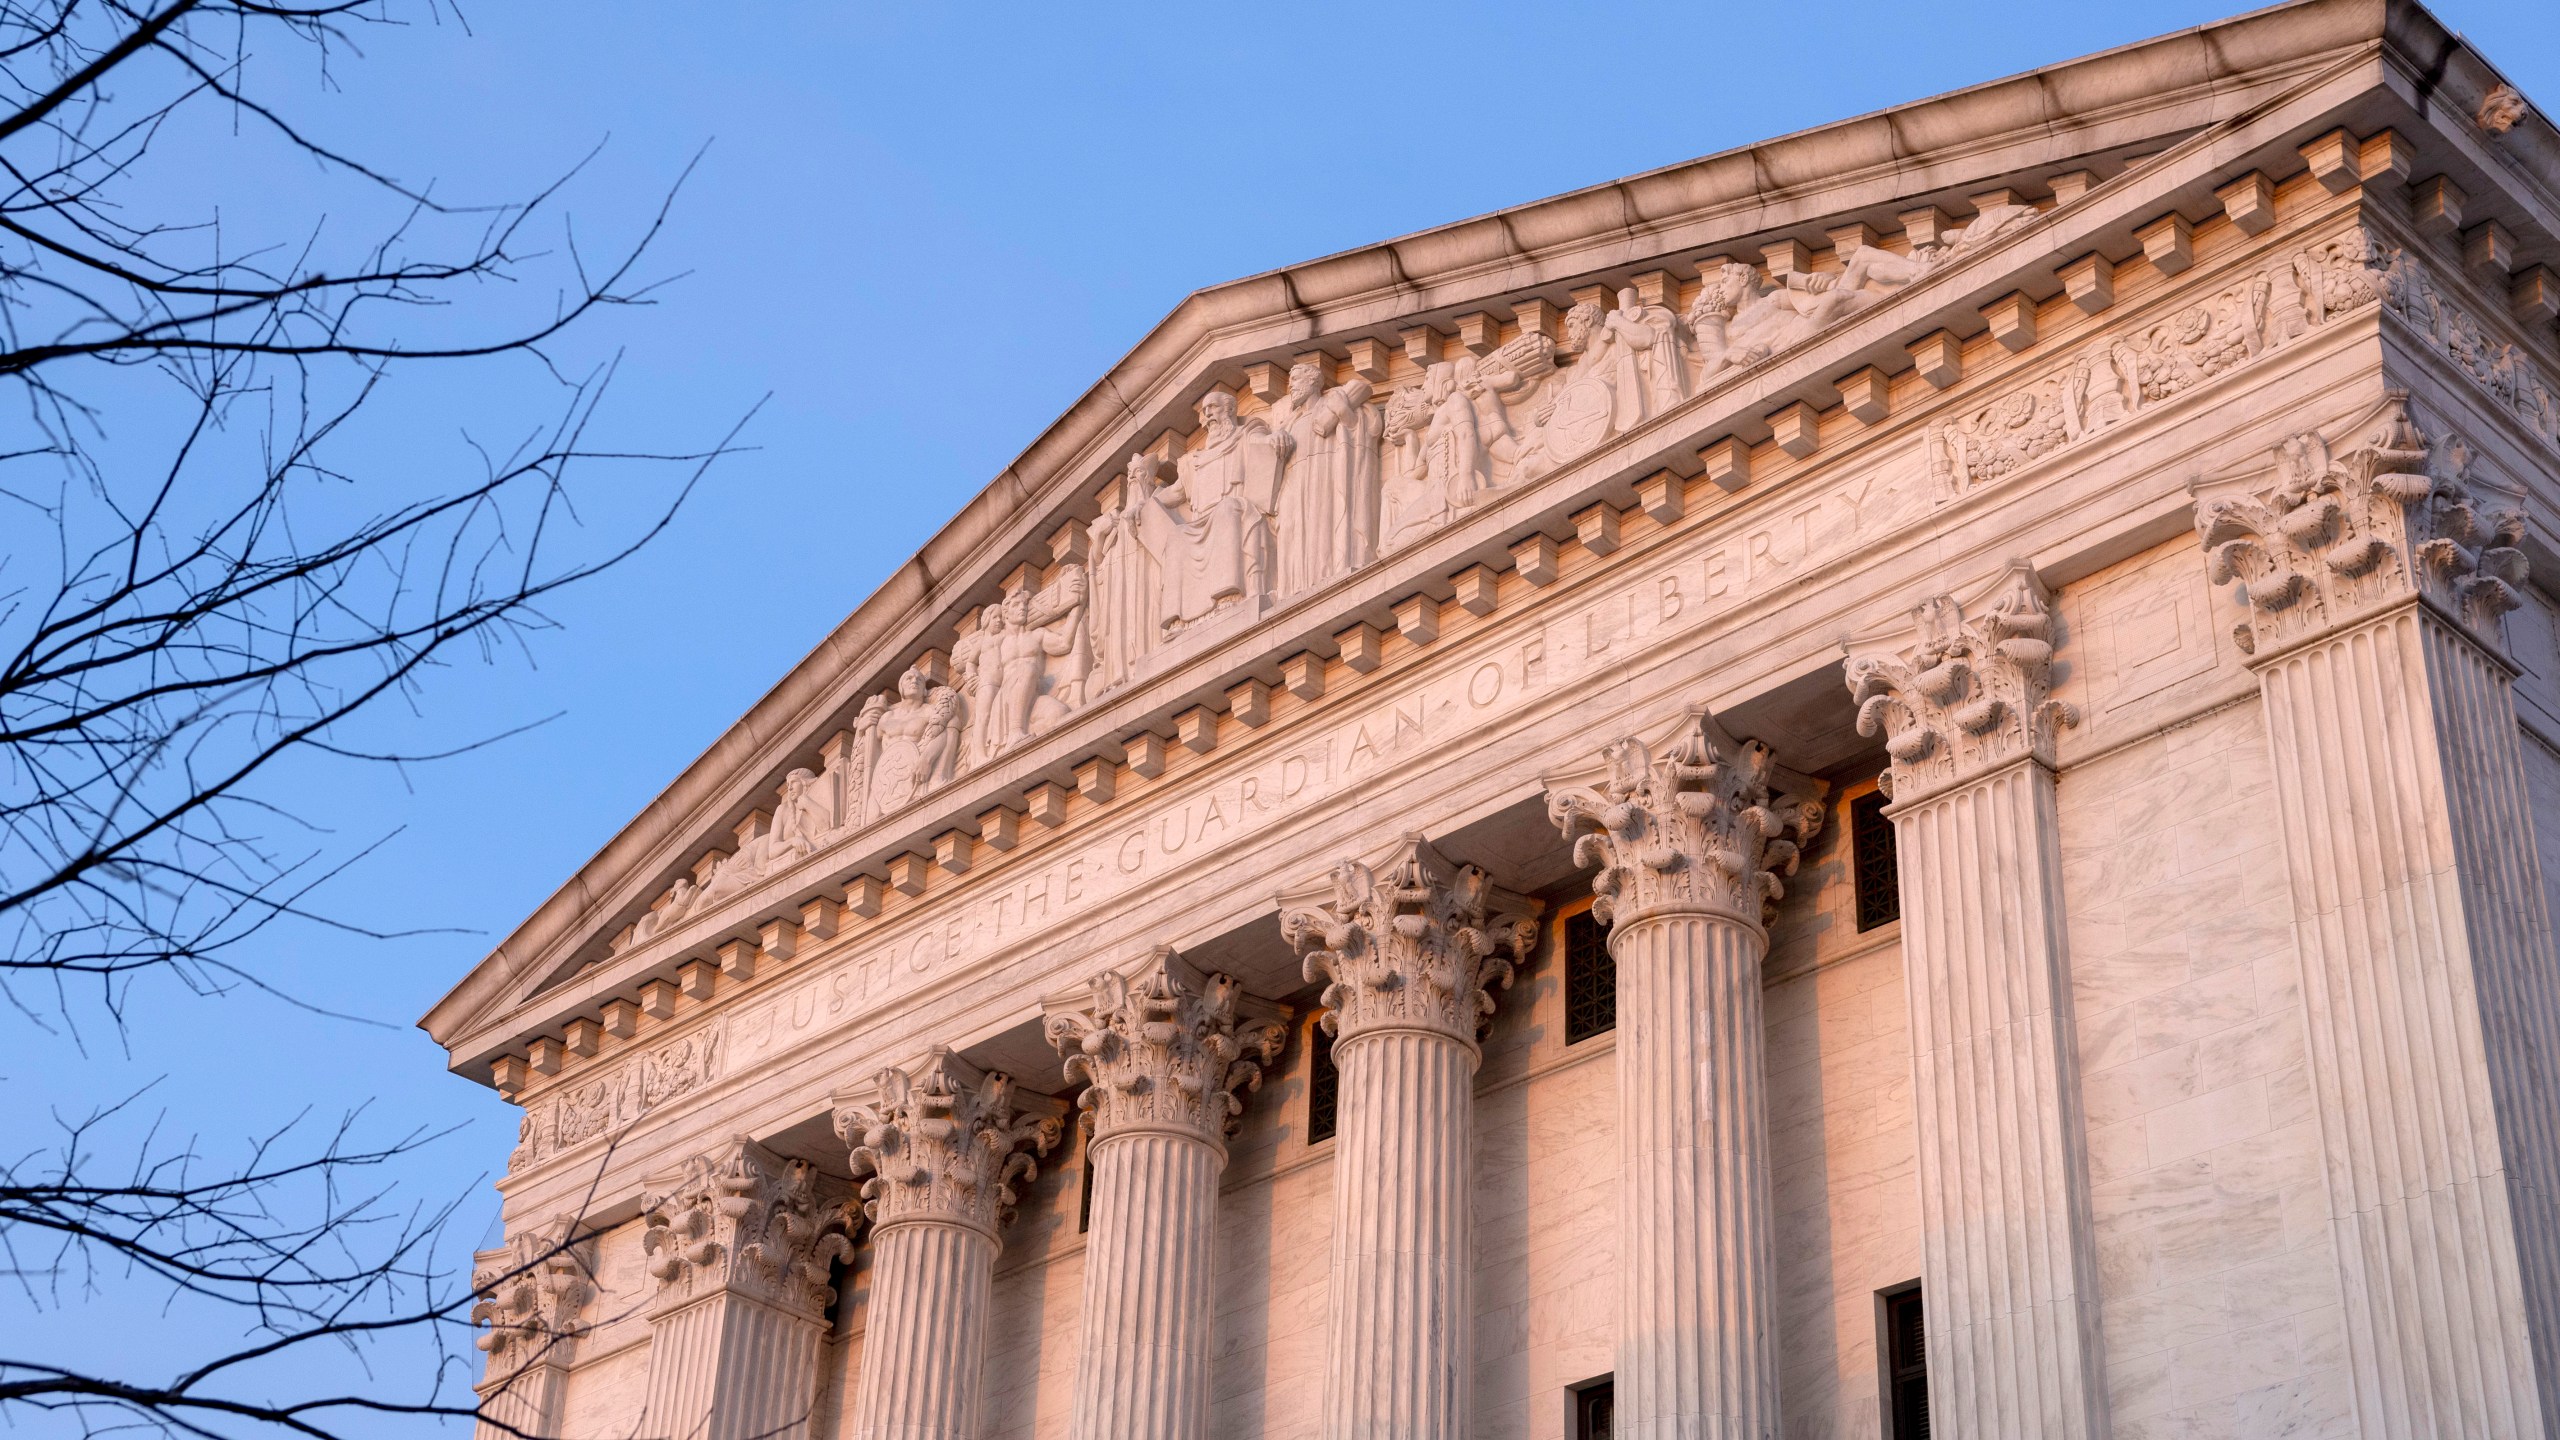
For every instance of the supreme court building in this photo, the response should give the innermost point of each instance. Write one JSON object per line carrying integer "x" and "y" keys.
{"x": 1904, "y": 779}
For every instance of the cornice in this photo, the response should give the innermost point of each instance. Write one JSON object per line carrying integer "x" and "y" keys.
{"x": 2100, "y": 219}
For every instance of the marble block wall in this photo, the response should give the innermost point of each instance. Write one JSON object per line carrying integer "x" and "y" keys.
{"x": 2217, "y": 1275}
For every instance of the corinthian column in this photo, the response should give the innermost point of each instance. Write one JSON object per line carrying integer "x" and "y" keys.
{"x": 530, "y": 1292}
{"x": 1410, "y": 961}
{"x": 740, "y": 1244}
{"x": 1163, "y": 1050}
{"x": 1690, "y": 848}
{"x": 938, "y": 1148}
{"x": 2008, "y": 1258}
{"x": 2375, "y": 586}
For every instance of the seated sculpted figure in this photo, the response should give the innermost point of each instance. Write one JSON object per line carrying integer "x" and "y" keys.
{"x": 1209, "y": 531}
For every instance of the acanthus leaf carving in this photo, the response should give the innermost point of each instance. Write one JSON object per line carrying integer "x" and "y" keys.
{"x": 1164, "y": 1046}
{"x": 742, "y": 1218}
{"x": 1971, "y": 692}
{"x": 2336, "y": 537}
{"x": 1712, "y": 824}
{"x": 2120, "y": 377}
{"x": 946, "y": 1141}
{"x": 529, "y": 1293}
{"x": 601, "y": 1104}
{"x": 1421, "y": 945}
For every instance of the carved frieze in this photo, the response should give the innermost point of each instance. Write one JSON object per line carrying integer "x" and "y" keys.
{"x": 529, "y": 1294}
{"x": 2334, "y": 538}
{"x": 604, "y": 1103}
{"x": 1420, "y": 945}
{"x": 1971, "y": 692}
{"x": 1164, "y": 1046}
{"x": 2118, "y": 377}
{"x": 1712, "y": 824}
{"x": 945, "y": 1141}
{"x": 743, "y": 1218}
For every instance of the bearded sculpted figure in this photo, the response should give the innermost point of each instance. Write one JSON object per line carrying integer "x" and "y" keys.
{"x": 1327, "y": 523}
{"x": 1123, "y": 614}
{"x": 1632, "y": 364}
{"x": 1210, "y": 530}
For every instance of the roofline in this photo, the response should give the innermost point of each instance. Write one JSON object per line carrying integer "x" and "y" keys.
{"x": 1921, "y": 146}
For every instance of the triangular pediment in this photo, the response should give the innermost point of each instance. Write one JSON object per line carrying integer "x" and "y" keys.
{"x": 1296, "y": 465}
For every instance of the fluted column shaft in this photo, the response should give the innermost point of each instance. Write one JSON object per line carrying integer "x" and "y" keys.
{"x": 1162, "y": 1050}
{"x": 1697, "y": 1319}
{"x": 2426, "y": 950}
{"x": 730, "y": 1367}
{"x": 924, "y": 1336}
{"x": 2008, "y": 1259}
{"x": 1400, "y": 1324}
{"x": 740, "y": 1245}
{"x": 1142, "y": 1368}
{"x": 525, "y": 1402}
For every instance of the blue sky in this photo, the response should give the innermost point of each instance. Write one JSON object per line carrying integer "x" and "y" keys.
{"x": 922, "y": 231}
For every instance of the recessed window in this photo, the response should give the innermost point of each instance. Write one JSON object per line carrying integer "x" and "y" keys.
{"x": 1592, "y": 1403}
{"x": 1906, "y": 1367}
{"x": 1324, "y": 1083}
{"x": 1871, "y": 851}
{"x": 1590, "y": 980}
{"x": 1084, "y": 1201}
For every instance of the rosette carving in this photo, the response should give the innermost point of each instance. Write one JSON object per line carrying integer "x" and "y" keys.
{"x": 1712, "y": 824}
{"x": 946, "y": 1141}
{"x": 1166, "y": 1046}
{"x": 1422, "y": 945}
{"x": 529, "y": 1294}
{"x": 2335, "y": 538}
{"x": 1972, "y": 693}
{"x": 743, "y": 1218}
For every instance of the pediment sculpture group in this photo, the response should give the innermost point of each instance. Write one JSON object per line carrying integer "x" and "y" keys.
{"x": 1261, "y": 507}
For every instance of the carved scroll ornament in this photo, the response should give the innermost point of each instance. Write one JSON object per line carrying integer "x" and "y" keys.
{"x": 1713, "y": 824}
{"x": 1421, "y": 945}
{"x": 2335, "y": 538}
{"x": 529, "y": 1295}
{"x": 745, "y": 1219}
{"x": 946, "y": 1141}
{"x": 1165, "y": 1046}
{"x": 1970, "y": 694}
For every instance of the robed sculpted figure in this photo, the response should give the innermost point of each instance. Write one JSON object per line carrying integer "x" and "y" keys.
{"x": 1210, "y": 530}
{"x": 1122, "y": 614}
{"x": 1327, "y": 519}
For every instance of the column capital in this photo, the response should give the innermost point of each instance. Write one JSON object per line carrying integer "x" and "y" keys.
{"x": 2332, "y": 538}
{"x": 1963, "y": 687}
{"x": 529, "y": 1293}
{"x": 1421, "y": 945}
{"x": 1165, "y": 1046}
{"x": 945, "y": 1140}
{"x": 744, "y": 1219}
{"x": 1710, "y": 826}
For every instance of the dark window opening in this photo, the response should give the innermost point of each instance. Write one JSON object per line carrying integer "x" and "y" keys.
{"x": 1906, "y": 1368}
{"x": 1324, "y": 1083}
{"x": 1590, "y": 980}
{"x": 1084, "y": 1201}
{"x": 1871, "y": 851}
{"x": 1592, "y": 1404}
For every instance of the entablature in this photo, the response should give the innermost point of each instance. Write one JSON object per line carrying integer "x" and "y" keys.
{"x": 851, "y": 838}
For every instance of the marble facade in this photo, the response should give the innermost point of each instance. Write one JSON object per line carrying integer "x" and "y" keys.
{"x": 2139, "y": 477}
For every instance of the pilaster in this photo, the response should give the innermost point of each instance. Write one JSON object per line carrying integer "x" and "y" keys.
{"x": 1162, "y": 1050}
{"x": 2374, "y": 586}
{"x": 1691, "y": 847}
{"x": 938, "y": 1148}
{"x": 740, "y": 1243}
{"x": 2008, "y": 1252}
{"x": 531, "y": 1293}
{"x": 1411, "y": 958}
